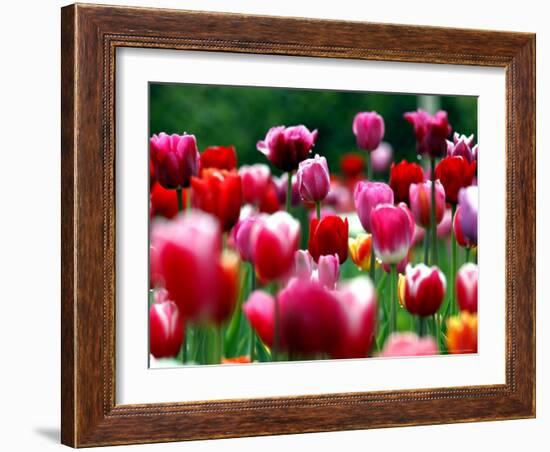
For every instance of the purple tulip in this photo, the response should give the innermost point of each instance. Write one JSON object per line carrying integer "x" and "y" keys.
{"x": 175, "y": 159}
{"x": 286, "y": 147}
{"x": 462, "y": 146}
{"x": 468, "y": 202}
{"x": 313, "y": 179}
{"x": 368, "y": 128}
{"x": 391, "y": 233}
{"x": 328, "y": 270}
{"x": 381, "y": 157}
{"x": 367, "y": 196}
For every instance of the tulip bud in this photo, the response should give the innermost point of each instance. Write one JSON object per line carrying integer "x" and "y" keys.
{"x": 391, "y": 233}
{"x": 462, "y": 333}
{"x": 431, "y": 131}
{"x": 381, "y": 157}
{"x": 402, "y": 176}
{"x": 368, "y": 195}
{"x": 368, "y": 128}
{"x": 461, "y": 145}
{"x": 175, "y": 159}
{"x": 420, "y": 196}
{"x": 219, "y": 157}
{"x": 286, "y": 147}
{"x": 360, "y": 249}
{"x": 328, "y": 236}
{"x": 328, "y": 271}
{"x": 303, "y": 265}
{"x": 165, "y": 329}
{"x": 255, "y": 180}
{"x": 466, "y": 287}
{"x": 455, "y": 173}
{"x": 313, "y": 179}
{"x": 468, "y": 202}
{"x": 424, "y": 289}
{"x": 409, "y": 344}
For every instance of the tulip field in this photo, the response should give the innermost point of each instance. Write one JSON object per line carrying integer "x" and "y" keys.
{"x": 302, "y": 237}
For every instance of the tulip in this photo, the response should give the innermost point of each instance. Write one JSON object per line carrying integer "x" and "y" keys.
{"x": 408, "y": 344}
{"x": 269, "y": 202}
{"x": 424, "y": 289}
{"x": 421, "y": 203}
{"x": 259, "y": 309}
{"x": 303, "y": 265}
{"x": 152, "y": 178}
{"x": 462, "y": 333}
{"x": 466, "y": 287}
{"x": 368, "y": 195}
{"x": 368, "y": 128}
{"x": 237, "y": 360}
{"x": 455, "y": 173}
{"x": 381, "y": 157}
{"x": 286, "y": 147}
{"x": 410, "y": 216}
{"x": 165, "y": 329}
{"x": 241, "y": 235}
{"x": 328, "y": 270}
{"x": 328, "y": 236}
{"x": 391, "y": 233}
{"x": 462, "y": 146}
{"x": 274, "y": 240}
{"x": 255, "y": 180}
{"x": 164, "y": 202}
{"x": 402, "y": 176}
{"x": 444, "y": 227}
{"x": 460, "y": 238}
{"x": 175, "y": 159}
{"x": 358, "y": 302}
{"x": 313, "y": 179}
{"x": 468, "y": 202}
{"x": 352, "y": 165}
{"x": 187, "y": 256}
{"x": 218, "y": 192}
{"x": 219, "y": 157}
{"x": 431, "y": 131}
{"x": 360, "y": 249}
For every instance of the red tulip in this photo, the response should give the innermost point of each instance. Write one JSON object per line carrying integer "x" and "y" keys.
{"x": 219, "y": 157}
{"x": 420, "y": 196}
{"x": 165, "y": 329}
{"x": 274, "y": 239}
{"x": 328, "y": 236}
{"x": 409, "y": 344}
{"x": 286, "y": 147}
{"x": 164, "y": 202}
{"x": 352, "y": 165}
{"x": 152, "y": 178}
{"x": 175, "y": 159}
{"x": 218, "y": 192}
{"x": 466, "y": 287}
{"x": 269, "y": 203}
{"x": 431, "y": 131}
{"x": 368, "y": 128}
{"x": 455, "y": 173}
{"x": 391, "y": 232}
{"x": 424, "y": 289}
{"x": 358, "y": 302}
{"x": 402, "y": 176}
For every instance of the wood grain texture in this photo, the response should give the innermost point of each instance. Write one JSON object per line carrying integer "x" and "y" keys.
{"x": 90, "y": 36}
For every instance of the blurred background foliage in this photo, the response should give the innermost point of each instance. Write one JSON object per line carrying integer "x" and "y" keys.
{"x": 240, "y": 116}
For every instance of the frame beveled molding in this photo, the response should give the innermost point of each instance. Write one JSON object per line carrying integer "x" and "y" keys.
{"x": 90, "y": 36}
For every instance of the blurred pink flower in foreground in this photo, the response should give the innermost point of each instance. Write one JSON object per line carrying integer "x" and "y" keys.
{"x": 381, "y": 157}
{"x": 408, "y": 344}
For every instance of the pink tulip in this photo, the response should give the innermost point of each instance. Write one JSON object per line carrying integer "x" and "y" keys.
{"x": 286, "y": 147}
{"x": 255, "y": 180}
{"x": 468, "y": 202}
{"x": 463, "y": 146}
{"x": 368, "y": 128}
{"x": 420, "y": 196}
{"x": 303, "y": 265}
{"x": 391, "y": 233}
{"x": 444, "y": 228}
{"x": 259, "y": 309}
{"x": 368, "y": 195}
{"x": 175, "y": 159}
{"x": 358, "y": 301}
{"x": 241, "y": 236}
{"x": 412, "y": 226}
{"x": 328, "y": 270}
{"x": 274, "y": 240}
{"x": 408, "y": 344}
{"x": 313, "y": 179}
{"x": 381, "y": 158}
{"x": 165, "y": 329}
{"x": 466, "y": 287}
{"x": 424, "y": 289}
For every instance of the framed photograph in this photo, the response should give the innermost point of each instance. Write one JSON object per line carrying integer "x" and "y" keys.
{"x": 281, "y": 225}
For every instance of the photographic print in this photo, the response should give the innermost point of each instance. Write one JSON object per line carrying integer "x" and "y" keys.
{"x": 293, "y": 224}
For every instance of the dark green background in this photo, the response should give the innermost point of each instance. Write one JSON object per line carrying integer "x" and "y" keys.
{"x": 223, "y": 115}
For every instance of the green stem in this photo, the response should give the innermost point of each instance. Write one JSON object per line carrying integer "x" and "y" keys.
{"x": 393, "y": 301}
{"x": 275, "y": 349}
{"x": 426, "y": 246}
{"x": 180, "y": 198}
{"x": 252, "y": 288}
{"x": 184, "y": 344}
{"x": 433, "y": 224}
{"x": 372, "y": 268}
{"x": 369, "y": 166}
{"x": 454, "y": 308}
{"x": 289, "y": 191}
{"x": 318, "y": 208}
{"x": 188, "y": 199}
{"x": 219, "y": 345}
{"x": 467, "y": 254}
{"x": 422, "y": 326}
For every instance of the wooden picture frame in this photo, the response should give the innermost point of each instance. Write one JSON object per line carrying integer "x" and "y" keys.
{"x": 90, "y": 36}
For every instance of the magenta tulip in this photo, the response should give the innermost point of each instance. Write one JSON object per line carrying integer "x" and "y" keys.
{"x": 328, "y": 270}
{"x": 462, "y": 146}
{"x": 286, "y": 147}
{"x": 368, "y": 128}
{"x": 259, "y": 309}
{"x": 368, "y": 195}
{"x": 165, "y": 329}
{"x": 313, "y": 179}
{"x": 391, "y": 233}
{"x": 241, "y": 236}
{"x": 408, "y": 344}
{"x": 468, "y": 203}
{"x": 255, "y": 180}
{"x": 274, "y": 240}
{"x": 466, "y": 287}
{"x": 175, "y": 159}
{"x": 431, "y": 131}
{"x": 421, "y": 202}
{"x": 424, "y": 289}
